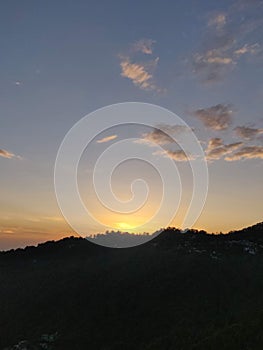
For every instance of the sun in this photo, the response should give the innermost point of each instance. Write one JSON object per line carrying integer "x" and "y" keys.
{"x": 124, "y": 226}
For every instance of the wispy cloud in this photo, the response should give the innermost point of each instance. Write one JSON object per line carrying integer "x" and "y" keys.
{"x": 6, "y": 154}
{"x": 178, "y": 155}
{"x": 7, "y": 231}
{"x": 140, "y": 71}
{"x": 247, "y": 152}
{"x": 167, "y": 136}
{"x": 160, "y": 134}
{"x": 226, "y": 40}
{"x": 213, "y": 58}
{"x": 107, "y": 139}
{"x": 218, "y": 20}
{"x": 211, "y": 65}
{"x": 144, "y": 45}
{"x": 247, "y": 133}
{"x": 216, "y": 149}
{"x": 218, "y": 117}
{"x": 216, "y": 57}
{"x": 248, "y": 49}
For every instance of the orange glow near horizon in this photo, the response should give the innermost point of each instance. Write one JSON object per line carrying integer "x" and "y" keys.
{"x": 125, "y": 226}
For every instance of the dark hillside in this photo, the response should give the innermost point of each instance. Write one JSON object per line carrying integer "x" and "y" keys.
{"x": 179, "y": 291}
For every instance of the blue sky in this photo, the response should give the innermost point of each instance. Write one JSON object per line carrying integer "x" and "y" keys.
{"x": 62, "y": 60}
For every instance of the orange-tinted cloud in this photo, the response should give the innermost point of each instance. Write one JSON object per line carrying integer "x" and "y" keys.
{"x": 107, "y": 139}
{"x": 178, "y": 155}
{"x": 216, "y": 149}
{"x": 251, "y": 49}
{"x": 160, "y": 134}
{"x": 138, "y": 73}
{"x": 5, "y": 154}
{"x": 247, "y": 152}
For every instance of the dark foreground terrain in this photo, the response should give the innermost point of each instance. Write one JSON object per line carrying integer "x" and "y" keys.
{"x": 178, "y": 291}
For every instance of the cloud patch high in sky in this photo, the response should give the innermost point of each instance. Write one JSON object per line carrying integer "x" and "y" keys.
{"x": 138, "y": 74}
{"x": 218, "y": 117}
{"x": 225, "y": 41}
{"x": 140, "y": 70}
{"x": 143, "y": 45}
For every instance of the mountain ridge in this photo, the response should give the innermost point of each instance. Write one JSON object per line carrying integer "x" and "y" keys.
{"x": 252, "y": 232}
{"x": 189, "y": 291}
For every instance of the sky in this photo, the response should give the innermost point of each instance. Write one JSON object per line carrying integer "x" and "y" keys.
{"x": 202, "y": 60}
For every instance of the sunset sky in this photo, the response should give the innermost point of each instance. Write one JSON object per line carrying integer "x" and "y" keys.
{"x": 62, "y": 60}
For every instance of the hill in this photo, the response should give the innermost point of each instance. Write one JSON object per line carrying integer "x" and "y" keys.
{"x": 178, "y": 291}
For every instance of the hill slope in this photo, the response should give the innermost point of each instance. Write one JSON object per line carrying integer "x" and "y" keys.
{"x": 178, "y": 291}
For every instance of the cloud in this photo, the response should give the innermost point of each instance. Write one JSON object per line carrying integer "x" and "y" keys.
{"x": 211, "y": 58}
{"x": 225, "y": 41}
{"x": 218, "y": 20}
{"x": 54, "y": 218}
{"x": 7, "y": 231}
{"x": 178, "y": 155}
{"x": 247, "y": 133}
{"x": 210, "y": 68}
{"x": 155, "y": 137}
{"x": 139, "y": 73}
{"x": 107, "y": 139}
{"x": 250, "y": 49}
{"x": 216, "y": 149}
{"x": 144, "y": 45}
{"x": 160, "y": 134}
{"x": 217, "y": 58}
{"x": 214, "y": 143}
{"x": 247, "y": 152}
{"x": 218, "y": 117}
{"x": 6, "y": 154}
